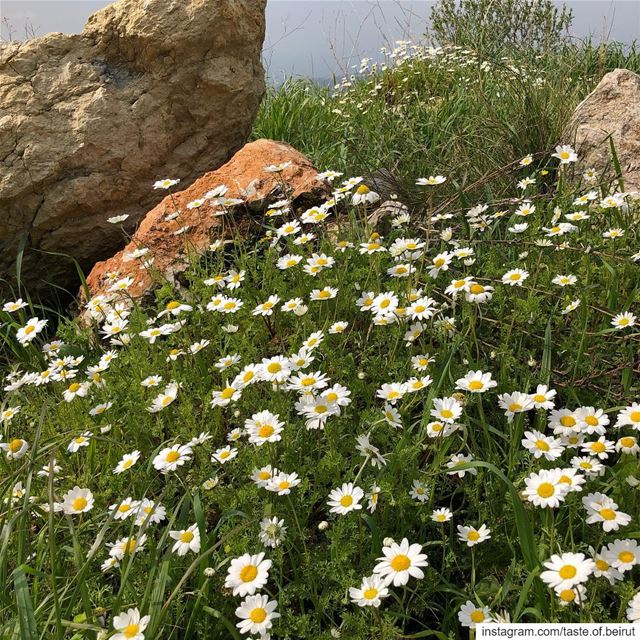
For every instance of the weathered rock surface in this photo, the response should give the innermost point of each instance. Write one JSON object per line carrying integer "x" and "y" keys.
{"x": 171, "y": 240}
{"x": 612, "y": 108}
{"x": 150, "y": 89}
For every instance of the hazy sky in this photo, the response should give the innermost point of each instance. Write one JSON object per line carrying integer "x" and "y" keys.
{"x": 320, "y": 37}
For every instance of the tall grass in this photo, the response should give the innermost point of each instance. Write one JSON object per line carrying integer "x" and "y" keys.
{"x": 451, "y": 112}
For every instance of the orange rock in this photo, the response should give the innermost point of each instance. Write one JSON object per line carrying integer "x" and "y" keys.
{"x": 245, "y": 177}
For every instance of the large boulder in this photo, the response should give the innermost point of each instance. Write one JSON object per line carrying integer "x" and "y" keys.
{"x": 611, "y": 109}
{"x": 149, "y": 90}
{"x": 186, "y": 223}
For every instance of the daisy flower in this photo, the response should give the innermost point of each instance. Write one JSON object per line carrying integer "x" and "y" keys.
{"x": 224, "y": 454}
{"x": 401, "y": 561}
{"x": 282, "y": 483}
{"x": 515, "y": 277}
{"x": 77, "y": 500}
{"x": 272, "y": 532}
{"x": 441, "y": 515}
{"x": 163, "y": 400}
{"x": 446, "y": 409}
{"x": 170, "y": 458}
{"x": 470, "y": 615}
{"x": 457, "y": 460}
{"x": 257, "y": 614}
{"x": 541, "y": 445}
{"x": 567, "y": 570}
{"x": 473, "y": 536}
{"x": 544, "y": 489}
{"x": 370, "y": 593}
{"x": 345, "y": 499}
{"x": 623, "y": 555}
{"x": 247, "y": 574}
{"x": 565, "y": 281}
{"x": 186, "y": 540}
{"x": 129, "y": 625}
{"x": 624, "y": 320}
{"x": 264, "y": 427}
{"x": 476, "y": 382}
{"x": 565, "y": 153}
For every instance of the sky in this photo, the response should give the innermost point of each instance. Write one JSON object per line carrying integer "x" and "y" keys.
{"x": 320, "y": 38}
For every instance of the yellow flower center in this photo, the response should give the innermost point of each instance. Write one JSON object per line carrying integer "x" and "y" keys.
{"x": 266, "y": 431}
{"x": 476, "y": 289}
{"x": 473, "y": 536}
{"x": 370, "y": 594}
{"x": 332, "y": 396}
{"x": 187, "y": 536}
{"x": 592, "y": 421}
{"x": 79, "y": 504}
{"x": 346, "y": 501}
{"x": 227, "y": 393}
{"x": 131, "y": 630}
{"x": 546, "y": 490}
{"x": 476, "y": 385}
{"x": 626, "y": 557}
{"x": 247, "y": 376}
{"x": 29, "y": 329}
{"x": 274, "y": 367}
{"x": 400, "y": 562}
{"x": 635, "y": 416}
{"x": 627, "y": 442}
{"x": 567, "y": 421}
{"x": 173, "y": 305}
{"x": 477, "y": 616}
{"x": 264, "y": 475}
{"x": 438, "y": 262}
{"x": 74, "y": 387}
{"x": 123, "y": 508}
{"x": 602, "y": 565}
{"x": 130, "y": 545}
{"x": 362, "y": 189}
{"x": 567, "y": 572}
{"x": 15, "y": 445}
{"x": 542, "y": 445}
{"x": 539, "y": 397}
{"x": 608, "y": 514}
{"x": 567, "y": 595}
{"x": 258, "y": 615}
{"x": 284, "y": 485}
{"x": 248, "y": 573}
{"x": 446, "y": 413}
{"x": 172, "y": 456}
{"x": 598, "y": 447}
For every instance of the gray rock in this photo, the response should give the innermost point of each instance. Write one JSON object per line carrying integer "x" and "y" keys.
{"x": 612, "y": 108}
{"x": 149, "y": 90}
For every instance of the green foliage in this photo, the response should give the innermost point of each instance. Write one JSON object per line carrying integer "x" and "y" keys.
{"x": 495, "y": 27}
{"x": 453, "y": 111}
